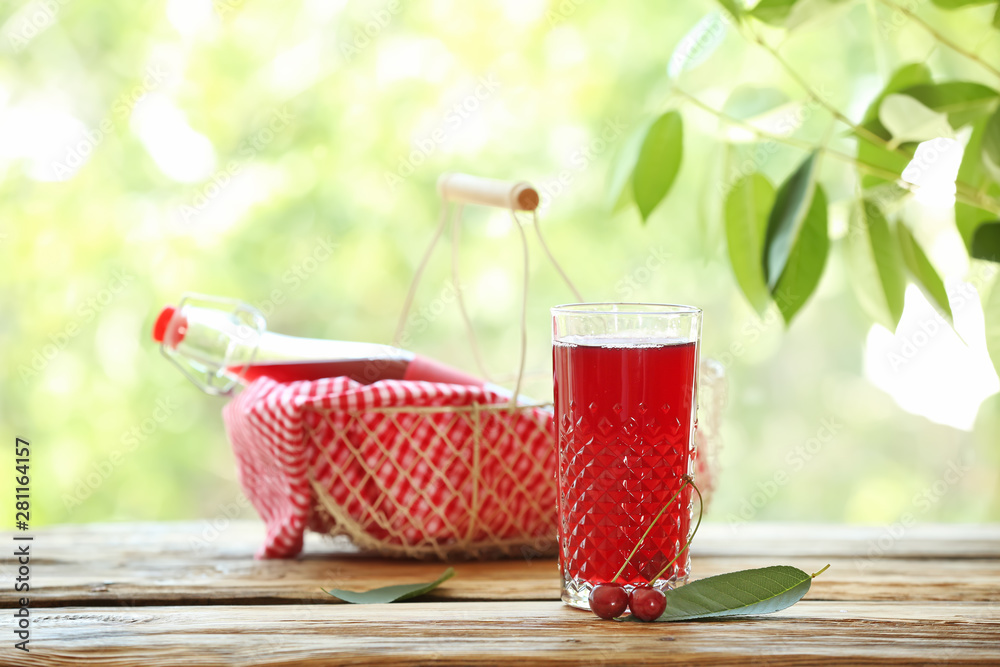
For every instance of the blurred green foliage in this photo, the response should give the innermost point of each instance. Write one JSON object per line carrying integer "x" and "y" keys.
{"x": 152, "y": 148}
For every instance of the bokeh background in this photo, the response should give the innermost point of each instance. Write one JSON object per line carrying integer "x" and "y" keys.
{"x": 286, "y": 154}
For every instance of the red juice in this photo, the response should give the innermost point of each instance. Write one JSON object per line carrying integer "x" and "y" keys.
{"x": 404, "y": 366}
{"x": 625, "y": 442}
{"x": 360, "y": 370}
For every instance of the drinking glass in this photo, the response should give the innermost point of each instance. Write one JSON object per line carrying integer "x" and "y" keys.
{"x": 626, "y": 377}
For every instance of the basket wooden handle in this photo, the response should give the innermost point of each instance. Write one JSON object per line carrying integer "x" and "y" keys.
{"x": 516, "y": 195}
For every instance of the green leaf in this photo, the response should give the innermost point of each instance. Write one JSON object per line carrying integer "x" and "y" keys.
{"x": 968, "y": 219}
{"x": 971, "y": 171}
{"x": 620, "y": 191}
{"x": 955, "y": 4}
{"x": 907, "y": 119}
{"x": 746, "y": 593}
{"x": 790, "y": 14}
{"x": 877, "y": 155}
{"x": 991, "y": 145}
{"x": 658, "y": 163}
{"x": 991, "y": 313}
{"x": 746, "y": 214}
{"x": 733, "y": 7}
{"x": 904, "y": 77}
{"x": 806, "y": 262}
{"x": 773, "y": 11}
{"x": 876, "y": 265}
{"x": 923, "y": 272}
{"x": 963, "y": 101}
{"x": 698, "y": 44}
{"x": 986, "y": 241}
{"x": 749, "y": 101}
{"x": 388, "y": 594}
{"x": 786, "y": 219}
{"x": 996, "y": 17}
{"x": 974, "y": 173}
{"x": 762, "y": 107}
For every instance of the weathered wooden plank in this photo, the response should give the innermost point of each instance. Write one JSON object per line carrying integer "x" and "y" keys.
{"x": 164, "y": 581}
{"x": 225, "y": 538}
{"x": 940, "y": 540}
{"x": 156, "y": 564}
{"x": 465, "y": 632}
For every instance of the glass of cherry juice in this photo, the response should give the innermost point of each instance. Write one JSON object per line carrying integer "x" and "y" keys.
{"x": 626, "y": 378}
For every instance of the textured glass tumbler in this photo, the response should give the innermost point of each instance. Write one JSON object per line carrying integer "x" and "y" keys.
{"x": 626, "y": 377}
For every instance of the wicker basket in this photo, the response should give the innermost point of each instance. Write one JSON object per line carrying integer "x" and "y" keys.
{"x": 461, "y": 482}
{"x": 475, "y": 481}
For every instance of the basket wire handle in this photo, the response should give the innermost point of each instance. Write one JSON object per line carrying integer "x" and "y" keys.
{"x": 397, "y": 338}
{"x": 515, "y": 196}
{"x": 456, "y": 227}
{"x": 552, "y": 259}
{"x": 524, "y": 309}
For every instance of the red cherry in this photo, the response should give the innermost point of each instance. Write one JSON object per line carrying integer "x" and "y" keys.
{"x": 608, "y": 600}
{"x": 647, "y": 604}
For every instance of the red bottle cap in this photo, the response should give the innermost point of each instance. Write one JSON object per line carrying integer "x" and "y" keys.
{"x": 163, "y": 321}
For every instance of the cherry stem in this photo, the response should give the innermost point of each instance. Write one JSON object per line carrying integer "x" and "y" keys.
{"x": 687, "y": 480}
{"x": 701, "y": 512}
{"x": 813, "y": 576}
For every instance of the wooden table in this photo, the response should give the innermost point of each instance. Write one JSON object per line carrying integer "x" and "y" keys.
{"x": 186, "y": 594}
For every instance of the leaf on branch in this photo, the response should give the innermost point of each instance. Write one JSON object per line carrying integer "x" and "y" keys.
{"x": 806, "y": 262}
{"x": 388, "y": 594}
{"x": 963, "y": 101}
{"x": 906, "y": 119}
{"x": 767, "y": 109}
{"x": 749, "y": 101}
{"x": 658, "y": 163}
{"x": 974, "y": 173}
{"x": 877, "y": 155}
{"x": 697, "y": 45}
{"x": 745, "y": 593}
{"x": 991, "y": 145}
{"x": 733, "y": 7}
{"x": 876, "y": 264}
{"x": 620, "y": 190}
{"x": 772, "y": 11}
{"x": 986, "y": 241}
{"x": 968, "y": 219}
{"x": 787, "y": 218}
{"x": 923, "y": 272}
{"x": 791, "y": 14}
{"x": 904, "y": 77}
{"x": 746, "y": 213}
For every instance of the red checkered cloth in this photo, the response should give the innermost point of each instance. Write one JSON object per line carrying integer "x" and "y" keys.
{"x": 405, "y": 478}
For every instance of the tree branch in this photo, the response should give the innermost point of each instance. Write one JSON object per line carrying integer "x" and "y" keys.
{"x": 936, "y": 34}
{"x": 964, "y": 193}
